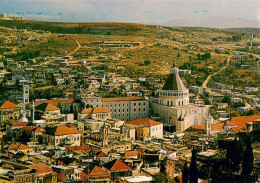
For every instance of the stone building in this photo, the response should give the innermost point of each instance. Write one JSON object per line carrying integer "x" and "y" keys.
{"x": 97, "y": 113}
{"x": 146, "y": 128}
{"x": 9, "y": 111}
{"x": 62, "y": 135}
{"x": 173, "y": 105}
{"x": 123, "y": 108}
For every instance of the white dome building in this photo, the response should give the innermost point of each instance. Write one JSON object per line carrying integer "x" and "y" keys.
{"x": 23, "y": 119}
{"x": 173, "y": 105}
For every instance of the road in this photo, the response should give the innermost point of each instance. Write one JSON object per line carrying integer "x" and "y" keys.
{"x": 78, "y": 47}
{"x": 71, "y": 53}
{"x": 209, "y": 77}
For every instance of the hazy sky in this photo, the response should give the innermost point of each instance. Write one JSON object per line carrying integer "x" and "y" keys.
{"x": 144, "y": 11}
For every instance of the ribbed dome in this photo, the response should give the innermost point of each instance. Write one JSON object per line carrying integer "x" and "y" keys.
{"x": 23, "y": 119}
{"x": 174, "y": 81}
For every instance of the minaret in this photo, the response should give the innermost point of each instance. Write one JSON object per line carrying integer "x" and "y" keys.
{"x": 26, "y": 90}
{"x": 32, "y": 114}
{"x": 208, "y": 124}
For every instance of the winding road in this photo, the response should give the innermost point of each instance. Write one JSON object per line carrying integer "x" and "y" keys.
{"x": 209, "y": 76}
{"x": 71, "y": 53}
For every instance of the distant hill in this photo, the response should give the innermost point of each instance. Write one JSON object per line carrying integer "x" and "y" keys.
{"x": 213, "y": 22}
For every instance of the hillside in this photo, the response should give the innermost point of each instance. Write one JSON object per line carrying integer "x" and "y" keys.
{"x": 159, "y": 46}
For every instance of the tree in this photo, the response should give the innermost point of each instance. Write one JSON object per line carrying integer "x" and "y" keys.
{"x": 248, "y": 159}
{"x": 163, "y": 166}
{"x": 25, "y": 137}
{"x": 147, "y": 62}
{"x": 251, "y": 112}
{"x": 199, "y": 56}
{"x": 226, "y": 99}
{"x": 193, "y": 168}
{"x": 185, "y": 173}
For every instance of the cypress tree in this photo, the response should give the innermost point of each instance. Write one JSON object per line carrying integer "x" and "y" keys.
{"x": 193, "y": 168}
{"x": 248, "y": 159}
{"x": 185, "y": 173}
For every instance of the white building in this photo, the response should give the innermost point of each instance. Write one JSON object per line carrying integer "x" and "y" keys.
{"x": 123, "y": 108}
{"x": 173, "y": 104}
{"x": 62, "y": 135}
{"x": 154, "y": 128}
{"x": 97, "y": 113}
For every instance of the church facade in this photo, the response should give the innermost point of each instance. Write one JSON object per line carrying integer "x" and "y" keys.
{"x": 173, "y": 105}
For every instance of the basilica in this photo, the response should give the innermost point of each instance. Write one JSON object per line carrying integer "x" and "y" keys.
{"x": 173, "y": 107}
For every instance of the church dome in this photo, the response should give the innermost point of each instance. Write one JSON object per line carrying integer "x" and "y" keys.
{"x": 174, "y": 81}
{"x": 23, "y": 119}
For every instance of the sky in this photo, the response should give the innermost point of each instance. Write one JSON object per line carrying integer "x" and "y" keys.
{"x": 141, "y": 11}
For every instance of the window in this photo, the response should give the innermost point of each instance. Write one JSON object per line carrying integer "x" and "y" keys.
{"x": 139, "y": 104}
{"x": 144, "y": 109}
{"x": 134, "y": 104}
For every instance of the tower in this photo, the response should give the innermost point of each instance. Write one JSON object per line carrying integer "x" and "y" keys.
{"x": 208, "y": 124}
{"x": 26, "y": 90}
{"x": 251, "y": 41}
{"x": 32, "y": 112}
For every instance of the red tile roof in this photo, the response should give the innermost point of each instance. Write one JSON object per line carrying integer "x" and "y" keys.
{"x": 101, "y": 154}
{"x": 55, "y": 102}
{"x": 242, "y": 120}
{"x": 129, "y": 154}
{"x": 61, "y": 177}
{"x": 122, "y": 99}
{"x": 9, "y": 105}
{"x": 97, "y": 171}
{"x": 143, "y": 121}
{"x": 117, "y": 165}
{"x": 61, "y": 130}
{"x": 38, "y": 130}
{"x": 95, "y": 110}
{"x": 46, "y": 107}
{"x": 15, "y": 147}
{"x": 20, "y": 124}
{"x": 214, "y": 126}
{"x": 78, "y": 148}
{"x": 32, "y": 129}
{"x": 41, "y": 168}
